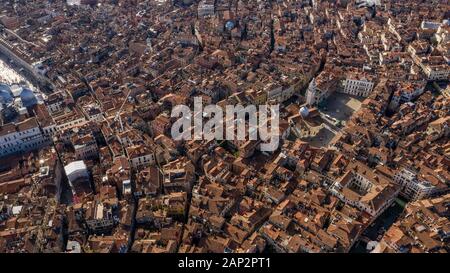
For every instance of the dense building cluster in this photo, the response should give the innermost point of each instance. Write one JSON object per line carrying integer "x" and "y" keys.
{"x": 91, "y": 166}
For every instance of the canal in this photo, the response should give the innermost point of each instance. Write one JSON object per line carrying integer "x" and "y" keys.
{"x": 381, "y": 225}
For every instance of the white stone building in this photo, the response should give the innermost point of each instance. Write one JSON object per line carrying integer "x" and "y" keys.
{"x": 357, "y": 86}
{"x": 21, "y": 137}
{"x": 414, "y": 187}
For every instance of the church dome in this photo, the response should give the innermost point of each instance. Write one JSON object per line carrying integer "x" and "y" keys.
{"x": 304, "y": 111}
{"x": 28, "y": 98}
{"x": 229, "y": 25}
{"x": 5, "y": 93}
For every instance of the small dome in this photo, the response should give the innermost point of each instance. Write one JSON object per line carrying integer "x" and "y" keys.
{"x": 229, "y": 25}
{"x": 371, "y": 245}
{"x": 304, "y": 111}
{"x": 5, "y": 94}
{"x": 4, "y": 86}
{"x": 28, "y": 98}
